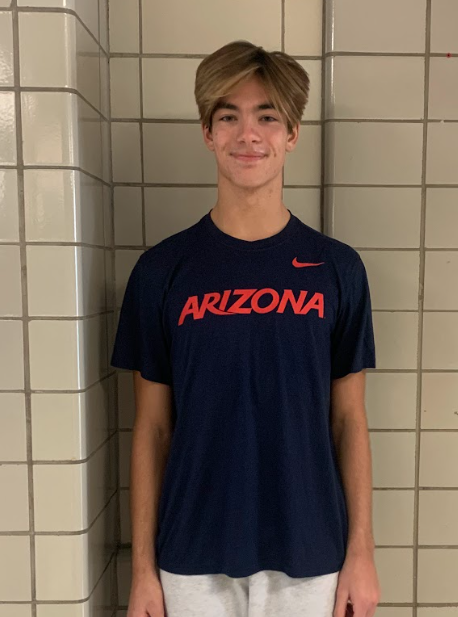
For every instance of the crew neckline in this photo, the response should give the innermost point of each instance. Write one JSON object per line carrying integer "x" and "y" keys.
{"x": 250, "y": 245}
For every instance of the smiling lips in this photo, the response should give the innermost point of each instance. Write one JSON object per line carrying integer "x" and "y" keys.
{"x": 249, "y": 157}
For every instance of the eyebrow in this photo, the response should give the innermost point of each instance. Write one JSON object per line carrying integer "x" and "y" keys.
{"x": 226, "y": 105}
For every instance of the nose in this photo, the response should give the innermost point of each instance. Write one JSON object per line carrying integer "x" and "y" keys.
{"x": 247, "y": 131}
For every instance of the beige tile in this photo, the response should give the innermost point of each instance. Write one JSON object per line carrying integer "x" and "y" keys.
{"x": 126, "y": 400}
{"x": 437, "y": 518}
{"x": 5, "y": 3}
{"x": 375, "y": 217}
{"x": 49, "y": 121}
{"x": 168, "y": 88}
{"x": 87, "y": 61}
{"x": 395, "y": 572}
{"x": 9, "y": 216}
{"x": 101, "y": 543}
{"x": 439, "y": 400}
{"x": 60, "y": 497}
{"x": 128, "y": 215}
{"x": 55, "y": 582}
{"x": 176, "y": 153}
{"x": 393, "y": 278}
{"x": 391, "y": 26}
{"x": 396, "y": 340}
{"x": 15, "y": 610}
{"x": 105, "y": 85}
{"x": 124, "y": 576}
{"x": 394, "y": 611}
{"x": 86, "y": 9}
{"x": 15, "y": 569}
{"x": 126, "y": 536}
{"x": 441, "y": 218}
{"x": 440, "y": 340}
{"x": 105, "y": 130}
{"x": 103, "y": 24}
{"x": 6, "y": 50}
{"x": 439, "y": 459}
{"x": 437, "y": 570}
{"x": 305, "y": 204}
{"x": 391, "y": 400}
{"x": 94, "y": 335}
{"x": 163, "y": 33}
{"x": 354, "y": 160}
{"x": 10, "y": 268}
{"x": 303, "y": 164}
{"x": 441, "y": 278}
{"x": 89, "y": 139}
{"x": 363, "y": 86}
{"x": 63, "y": 610}
{"x": 125, "y": 87}
{"x": 393, "y": 460}
{"x": 125, "y": 261}
{"x": 393, "y": 517}
{"x": 444, "y": 26}
{"x": 12, "y": 427}
{"x": 11, "y": 356}
{"x": 314, "y": 70}
{"x": 443, "y": 89}
{"x": 437, "y": 611}
{"x": 14, "y": 488}
{"x": 303, "y": 27}
{"x": 124, "y": 26}
{"x": 442, "y": 153}
{"x": 126, "y": 152}
{"x": 125, "y": 443}
{"x": 8, "y": 116}
{"x": 169, "y": 210}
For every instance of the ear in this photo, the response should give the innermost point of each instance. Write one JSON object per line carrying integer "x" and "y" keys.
{"x": 292, "y": 138}
{"x": 208, "y": 137}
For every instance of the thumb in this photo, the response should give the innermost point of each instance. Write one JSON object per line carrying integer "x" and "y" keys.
{"x": 340, "y": 607}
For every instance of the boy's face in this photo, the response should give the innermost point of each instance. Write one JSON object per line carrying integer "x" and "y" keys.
{"x": 247, "y": 130}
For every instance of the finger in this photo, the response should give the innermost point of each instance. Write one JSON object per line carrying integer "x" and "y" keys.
{"x": 340, "y": 604}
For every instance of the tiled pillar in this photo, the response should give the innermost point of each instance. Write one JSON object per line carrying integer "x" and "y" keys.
{"x": 392, "y": 176}
{"x": 58, "y": 481}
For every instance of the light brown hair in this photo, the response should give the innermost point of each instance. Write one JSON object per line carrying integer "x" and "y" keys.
{"x": 284, "y": 79}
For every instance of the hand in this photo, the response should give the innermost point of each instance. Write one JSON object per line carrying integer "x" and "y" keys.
{"x": 358, "y": 589}
{"x": 146, "y": 597}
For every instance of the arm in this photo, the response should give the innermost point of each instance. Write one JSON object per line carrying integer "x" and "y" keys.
{"x": 358, "y": 583}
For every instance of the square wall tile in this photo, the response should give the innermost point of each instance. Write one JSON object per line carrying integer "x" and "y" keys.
{"x": 63, "y": 610}
{"x": 363, "y": 86}
{"x": 125, "y": 262}
{"x": 8, "y": 155}
{"x": 11, "y": 356}
{"x": 437, "y": 518}
{"x": 128, "y": 215}
{"x": 380, "y": 217}
{"x": 314, "y": 69}
{"x": 439, "y": 459}
{"x": 392, "y": 26}
{"x": 124, "y": 26}
{"x": 393, "y": 278}
{"x": 168, "y": 88}
{"x": 126, "y": 152}
{"x": 437, "y": 570}
{"x": 396, "y": 337}
{"x": 125, "y": 87}
{"x": 87, "y": 56}
{"x": 354, "y": 159}
{"x": 393, "y": 517}
{"x": 86, "y": 9}
{"x": 303, "y": 27}
{"x": 439, "y": 396}
{"x": 126, "y": 532}
{"x": 163, "y": 33}
{"x": 94, "y": 334}
{"x": 14, "y": 488}
{"x": 443, "y": 89}
{"x": 125, "y": 445}
{"x": 305, "y": 203}
{"x": 15, "y": 585}
{"x": 15, "y": 610}
{"x": 444, "y": 26}
{"x": 303, "y": 164}
{"x": 60, "y": 497}
{"x": 441, "y": 218}
{"x": 55, "y": 582}
{"x": 391, "y": 400}
{"x": 10, "y": 268}
{"x": 6, "y": 50}
{"x": 9, "y": 214}
{"x": 126, "y": 400}
{"x": 395, "y": 571}
{"x": 176, "y": 153}
{"x": 394, "y": 611}
{"x": 440, "y": 340}
{"x": 393, "y": 460}
{"x": 12, "y": 427}
{"x": 441, "y": 278}
{"x": 49, "y": 121}
{"x": 89, "y": 138}
{"x": 442, "y": 153}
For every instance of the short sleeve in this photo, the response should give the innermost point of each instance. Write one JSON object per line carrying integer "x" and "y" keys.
{"x": 353, "y": 345}
{"x": 140, "y": 342}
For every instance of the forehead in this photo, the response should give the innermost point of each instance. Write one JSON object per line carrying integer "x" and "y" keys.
{"x": 250, "y": 94}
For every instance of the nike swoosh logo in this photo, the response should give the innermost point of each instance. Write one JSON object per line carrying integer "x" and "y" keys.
{"x": 305, "y": 265}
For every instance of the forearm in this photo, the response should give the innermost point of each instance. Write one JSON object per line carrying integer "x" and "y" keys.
{"x": 351, "y": 438}
{"x": 150, "y": 452}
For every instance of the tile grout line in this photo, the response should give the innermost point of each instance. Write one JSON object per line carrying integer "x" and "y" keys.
{"x": 24, "y": 290}
{"x": 421, "y": 312}
{"x": 326, "y": 212}
{"x": 140, "y": 78}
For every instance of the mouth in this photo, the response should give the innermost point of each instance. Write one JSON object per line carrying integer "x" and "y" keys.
{"x": 251, "y": 158}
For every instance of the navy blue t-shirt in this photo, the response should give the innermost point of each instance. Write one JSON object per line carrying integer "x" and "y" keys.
{"x": 249, "y": 335}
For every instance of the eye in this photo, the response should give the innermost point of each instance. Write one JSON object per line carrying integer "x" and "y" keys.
{"x": 223, "y": 117}
{"x": 270, "y": 117}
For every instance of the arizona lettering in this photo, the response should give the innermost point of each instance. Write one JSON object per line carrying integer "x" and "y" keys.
{"x": 244, "y": 301}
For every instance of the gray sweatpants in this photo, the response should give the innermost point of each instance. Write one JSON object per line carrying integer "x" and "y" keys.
{"x": 267, "y": 593}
